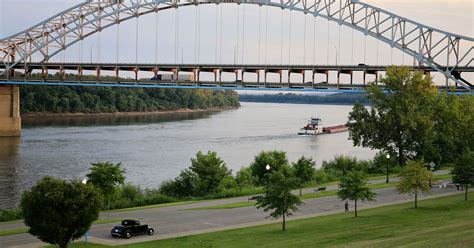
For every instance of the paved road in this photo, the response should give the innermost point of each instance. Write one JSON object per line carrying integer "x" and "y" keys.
{"x": 180, "y": 220}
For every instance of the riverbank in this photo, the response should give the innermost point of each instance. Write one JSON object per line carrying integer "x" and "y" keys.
{"x": 35, "y": 115}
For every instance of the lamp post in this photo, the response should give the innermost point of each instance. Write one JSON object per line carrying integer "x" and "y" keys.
{"x": 267, "y": 167}
{"x": 388, "y": 166}
{"x": 84, "y": 181}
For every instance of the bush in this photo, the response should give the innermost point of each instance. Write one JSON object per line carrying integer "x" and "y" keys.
{"x": 244, "y": 178}
{"x": 235, "y": 192}
{"x": 132, "y": 196}
{"x": 321, "y": 176}
{"x": 10, "y": 214}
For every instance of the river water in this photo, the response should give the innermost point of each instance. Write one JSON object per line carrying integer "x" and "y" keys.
{"x": 157, "y": 147}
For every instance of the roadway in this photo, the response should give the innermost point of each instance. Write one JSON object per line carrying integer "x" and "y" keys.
{"x": 175, "y": 221}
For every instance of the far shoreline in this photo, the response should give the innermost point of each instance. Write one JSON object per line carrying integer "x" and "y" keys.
{"x": 38, "y": 115}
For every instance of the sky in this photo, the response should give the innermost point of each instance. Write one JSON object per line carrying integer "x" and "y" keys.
{"x": 351, "y": 47}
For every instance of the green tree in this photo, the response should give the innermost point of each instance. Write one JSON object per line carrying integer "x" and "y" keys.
{"x": 210, "y": 171}
{"x": 463, "y": 171}
{"x": 58, "y": 211}
{"x": 106, "y": 177}
{"x": 353, "y": 187}
{"x": 182, "y": 186}
{"x": 453, "y": 134}
{"x": 414, "y": 178}
{"x": 274, "y": 159}
{"x": 244, "y": 178}
{"x": 278, "y": 196}
{"x": 304, "y": 171}
{"x": 381, "y": 163}
{"x": 400, "y": 118}
{"x": 340, "y": 165}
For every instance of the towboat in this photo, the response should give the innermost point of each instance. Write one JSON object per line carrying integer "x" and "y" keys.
{"x": 313, "y": 127}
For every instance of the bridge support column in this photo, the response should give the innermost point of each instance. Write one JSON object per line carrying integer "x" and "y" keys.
{"x": 265, "y": 78}
{"x": 10, "y": 120}
{"x": 338, "y": 78}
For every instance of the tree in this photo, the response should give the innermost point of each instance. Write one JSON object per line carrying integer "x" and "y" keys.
{"x": 210, "y": 171}
{"x": 463, "y": 171}
{"x": 341, "y": 165}
{"x": 106, "y": 177}
{"x": 58, "y": 211}
{"x": 400, "y": 118}
{"x": 278, "y": 196}
{"x": 414, "y": 178}
{"x": 304, "y": 171}
{"x": 182, "y": 186}
{"x": 244, "y": 178}
{"x": 353, "y": 187}
{"x": 381, "y": 163}
{"x": 453, "y": 134}
{"x": 275, "y": 159}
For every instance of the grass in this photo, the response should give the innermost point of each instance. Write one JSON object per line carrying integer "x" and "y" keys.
{"x": 157, "y": 206}
{"x": 14, "y": 231}
{"x": 439, "y": 222}
{"x": 11, "y": 222}
{"x": 303, "y": 197}
{"x": 442, "y": 177}
{"x": 25, "y": 229}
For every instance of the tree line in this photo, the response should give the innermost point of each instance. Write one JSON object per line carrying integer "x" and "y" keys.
{"x": 68, "y": 99}
{"x": 340, "y": 98}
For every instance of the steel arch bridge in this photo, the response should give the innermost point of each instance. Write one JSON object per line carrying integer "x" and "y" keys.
{"x": 442, "y": 51}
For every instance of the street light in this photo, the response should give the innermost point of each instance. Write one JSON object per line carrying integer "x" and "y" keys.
{"x": 388, "y": 165}
{"x": 267, "y": 167}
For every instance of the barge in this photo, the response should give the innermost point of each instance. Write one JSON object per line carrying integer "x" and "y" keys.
{"x": 314, "y": 127}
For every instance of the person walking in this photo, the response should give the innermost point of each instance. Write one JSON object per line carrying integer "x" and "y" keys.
{"x": 346, "y": 206}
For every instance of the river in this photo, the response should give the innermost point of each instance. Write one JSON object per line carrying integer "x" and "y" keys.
{"x": 154, "y": 148}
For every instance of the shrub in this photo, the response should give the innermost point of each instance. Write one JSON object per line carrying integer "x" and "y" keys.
{"x": 11, "y": 214}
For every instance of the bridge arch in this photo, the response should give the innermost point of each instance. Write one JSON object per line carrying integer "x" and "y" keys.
{"x": 441, "y": 50}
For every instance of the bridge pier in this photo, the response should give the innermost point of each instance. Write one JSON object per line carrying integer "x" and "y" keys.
{"x": 10, "y": 120}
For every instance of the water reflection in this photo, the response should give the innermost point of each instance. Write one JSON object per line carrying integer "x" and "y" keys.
{"x": 112, "y": 120}
{"x": 9, "y": 147}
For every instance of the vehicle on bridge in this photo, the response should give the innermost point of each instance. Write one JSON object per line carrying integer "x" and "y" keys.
{"x": 172, "y": 77}
{"x": 129, "y": 228}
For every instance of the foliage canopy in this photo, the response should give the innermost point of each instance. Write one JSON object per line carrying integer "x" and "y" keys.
{"x": 58, "y": 211}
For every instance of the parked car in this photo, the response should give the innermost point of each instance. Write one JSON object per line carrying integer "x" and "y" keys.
{"x": 129, "y": 228}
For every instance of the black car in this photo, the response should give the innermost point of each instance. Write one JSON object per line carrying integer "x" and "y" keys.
{"x": 129, "y": 228}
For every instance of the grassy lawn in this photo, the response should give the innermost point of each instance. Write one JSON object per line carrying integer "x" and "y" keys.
{"x": 303, "y": 197}
{"x": 14, "y": 231}
{"x": 25, "y": 229}
{"x": 439, "y": 222}
{"x": 156, "y": 206}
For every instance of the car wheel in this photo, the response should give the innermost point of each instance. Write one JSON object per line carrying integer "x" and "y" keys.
{"x": 151, "y": 231}
{"x": 127, "y": 234}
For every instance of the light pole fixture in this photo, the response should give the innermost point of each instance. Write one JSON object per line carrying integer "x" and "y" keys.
{"x": 267, "y": 167}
